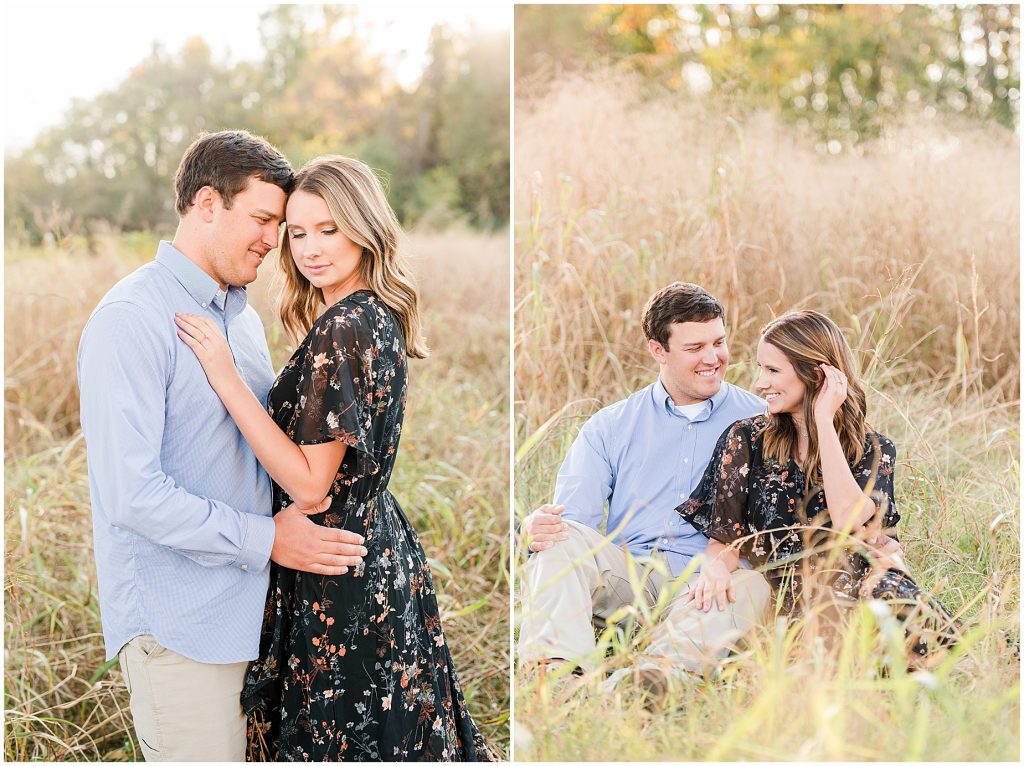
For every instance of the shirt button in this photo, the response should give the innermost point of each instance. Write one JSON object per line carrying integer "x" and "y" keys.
{"x": 245, "y": 567}
{"x": 689, "y": 427}
{"x": 686, "y": 460}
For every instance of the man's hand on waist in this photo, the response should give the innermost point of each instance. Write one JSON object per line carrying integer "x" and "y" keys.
{"x": 544, "y": 527}
{"x": 300, "y": 544}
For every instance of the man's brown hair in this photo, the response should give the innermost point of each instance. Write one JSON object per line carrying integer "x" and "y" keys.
{"x": 678, "y": 302}
{"x": 226, "y": 161}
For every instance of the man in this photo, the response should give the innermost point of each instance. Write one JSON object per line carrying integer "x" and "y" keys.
{"x": 642, "y": 456}
{"x": 182, "y": 521}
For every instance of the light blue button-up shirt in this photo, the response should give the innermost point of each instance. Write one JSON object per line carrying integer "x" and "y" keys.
{"x": 643, "y": 457}
{"x": 182, "y": 524}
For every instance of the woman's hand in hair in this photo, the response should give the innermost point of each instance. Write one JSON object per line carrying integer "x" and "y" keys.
{"x": 830, "y": 396}
{"x": 210, "y": 347}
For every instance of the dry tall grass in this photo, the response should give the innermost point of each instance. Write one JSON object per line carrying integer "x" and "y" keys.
{"x": 62, "y": 701}
{"x": 912, "y": 246}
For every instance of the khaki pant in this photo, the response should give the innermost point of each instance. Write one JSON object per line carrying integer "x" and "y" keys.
{"x": 183, "y": 710}
{"x": 588, "y": 576}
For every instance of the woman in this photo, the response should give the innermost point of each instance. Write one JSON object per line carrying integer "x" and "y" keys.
{"x": 352, "y": 667}
{"x": 797, "y": 488}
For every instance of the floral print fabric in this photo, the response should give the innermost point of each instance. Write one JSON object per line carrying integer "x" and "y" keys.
{"x": 759, "y": 504}
{"x": 355, "y": 667}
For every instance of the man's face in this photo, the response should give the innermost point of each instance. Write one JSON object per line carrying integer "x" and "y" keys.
{"x": 243, "y": 234}
{"x": 693, "y": 366}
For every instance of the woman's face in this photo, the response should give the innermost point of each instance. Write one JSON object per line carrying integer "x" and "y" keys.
{"x": 777, "y": 381}
{"x": 322, "y": 254}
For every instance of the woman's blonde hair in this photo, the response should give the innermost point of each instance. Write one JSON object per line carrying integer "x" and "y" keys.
{"x": 809, "y": 339}
{"x": 355, "y": 197}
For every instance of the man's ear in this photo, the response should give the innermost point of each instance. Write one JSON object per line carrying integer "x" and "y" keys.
{"x": 657, "y": 350}
{"x": 205, "y": 202}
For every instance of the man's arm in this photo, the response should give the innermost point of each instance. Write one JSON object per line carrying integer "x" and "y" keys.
{"x": 123, "y": 377}
{"x": 583, "y": 487}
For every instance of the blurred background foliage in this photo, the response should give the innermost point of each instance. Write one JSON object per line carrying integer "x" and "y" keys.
{"x": 844, "y": 71}
{"x": 442, "y": 144}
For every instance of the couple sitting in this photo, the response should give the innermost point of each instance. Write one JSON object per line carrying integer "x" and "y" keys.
{"x": 196, "y": 488}
{"x": 695, "y": 470}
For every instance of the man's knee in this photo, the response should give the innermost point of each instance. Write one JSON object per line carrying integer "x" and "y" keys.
{"x": 580, "y": 545}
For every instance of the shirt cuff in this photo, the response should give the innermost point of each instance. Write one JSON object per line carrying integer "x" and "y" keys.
{"x": 258, "y": 542}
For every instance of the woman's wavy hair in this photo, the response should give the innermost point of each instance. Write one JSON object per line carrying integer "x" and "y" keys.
{"x": 809, "y": 339}
{"x": 355, "y": 197}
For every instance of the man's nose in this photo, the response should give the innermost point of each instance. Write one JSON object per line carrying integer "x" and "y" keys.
{"x": 270, "y": 237}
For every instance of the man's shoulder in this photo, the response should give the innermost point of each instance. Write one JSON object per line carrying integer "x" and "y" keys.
{"x": 613, "y": 413}
{"x": 741, "y": 402}
{"x": 134, "y": 306}
{"x": 139, "y": 292}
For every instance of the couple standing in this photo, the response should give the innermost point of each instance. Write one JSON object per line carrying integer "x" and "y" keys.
{"x": 214, "y": 515}
{"x": 696, "y": 470}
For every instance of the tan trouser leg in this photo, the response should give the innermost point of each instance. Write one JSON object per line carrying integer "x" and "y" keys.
{"x": 691, "y": 639}
{"x": 183, "y": 710}
{"x": 565, "y": 586}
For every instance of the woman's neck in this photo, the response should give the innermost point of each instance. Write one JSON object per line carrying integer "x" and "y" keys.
{"x": 343, "y": 290}
{"x": 802, "y": 438}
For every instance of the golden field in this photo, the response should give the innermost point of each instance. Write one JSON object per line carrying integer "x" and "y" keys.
{"x": 911, "y": 243}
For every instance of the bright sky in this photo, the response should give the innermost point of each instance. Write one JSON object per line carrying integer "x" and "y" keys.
{"x": 53, "y": 53}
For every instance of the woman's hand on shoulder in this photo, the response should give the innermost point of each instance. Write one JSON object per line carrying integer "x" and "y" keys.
{"x": 210, "y": 347}
{"x": 830, "y": 396}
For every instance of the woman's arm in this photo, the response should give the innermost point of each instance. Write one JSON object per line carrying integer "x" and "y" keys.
{"x": 848, "y": 505}
{"x": 305, "y": 472}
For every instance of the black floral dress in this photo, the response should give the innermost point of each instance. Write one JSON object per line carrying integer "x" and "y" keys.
{"x": 355, "y": 667}
{"x": 759, "y": 504}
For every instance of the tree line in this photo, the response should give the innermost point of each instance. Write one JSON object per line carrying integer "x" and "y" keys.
{"x": 441, "y": 146}
{"x": 845, "y": 71}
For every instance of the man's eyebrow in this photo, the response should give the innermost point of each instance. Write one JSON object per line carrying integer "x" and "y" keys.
{"x": 701, "y": 342}
{"x": 266, "y": 214}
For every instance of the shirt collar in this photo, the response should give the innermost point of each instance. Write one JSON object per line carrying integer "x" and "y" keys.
{"x": 664, "y": 400}
{"x": 196, "y": 282}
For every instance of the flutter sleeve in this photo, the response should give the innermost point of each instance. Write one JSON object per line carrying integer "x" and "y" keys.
{"x": 336, "y": 392}
{"x": 718, "y": 506}
{"x": 875, "y": 473}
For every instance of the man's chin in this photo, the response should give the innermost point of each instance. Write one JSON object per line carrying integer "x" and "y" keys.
{"x": 712, "y": 386}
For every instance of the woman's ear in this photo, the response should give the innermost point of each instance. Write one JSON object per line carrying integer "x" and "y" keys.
{"x": 819, "y": 377}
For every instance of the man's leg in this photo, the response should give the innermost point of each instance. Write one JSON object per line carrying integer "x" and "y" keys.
{"x": 183, "y": 710}
{"x": 691, "y": 639}
{"x": 564, "y": 587}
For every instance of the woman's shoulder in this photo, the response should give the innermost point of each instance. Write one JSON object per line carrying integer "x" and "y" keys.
{"x": 355, "y": 311}
{"x": 742, "y": 434}
{"x": 883, "y": 442}
{"x": 751, "y": 427}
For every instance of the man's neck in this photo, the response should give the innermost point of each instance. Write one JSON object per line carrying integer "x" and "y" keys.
{"x": 678, "y": 398}
{"x": 190, "y": 248}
